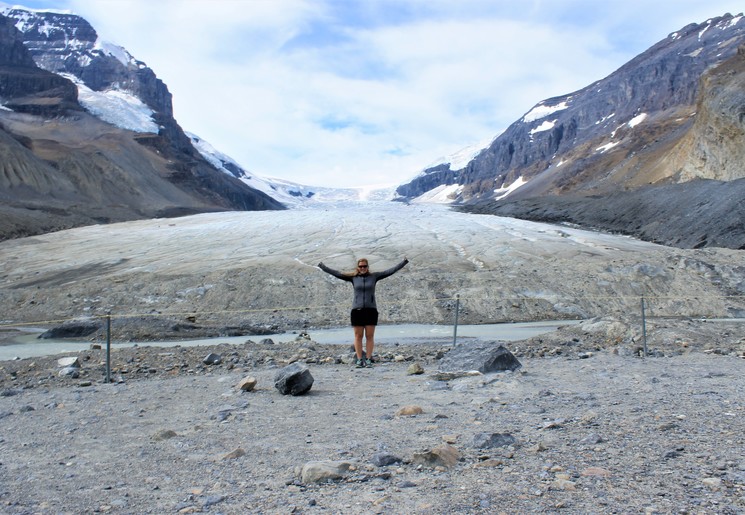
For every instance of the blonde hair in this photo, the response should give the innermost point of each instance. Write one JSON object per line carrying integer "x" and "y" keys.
{"x": 357, "y": 269}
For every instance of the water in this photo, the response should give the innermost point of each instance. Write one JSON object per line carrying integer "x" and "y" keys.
{"x": 29, "y": 346}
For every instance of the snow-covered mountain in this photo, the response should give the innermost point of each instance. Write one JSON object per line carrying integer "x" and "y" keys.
{"x": 602, "y": 137}
{"x": 654, "y": 150}
{"x": 88, "y": 134}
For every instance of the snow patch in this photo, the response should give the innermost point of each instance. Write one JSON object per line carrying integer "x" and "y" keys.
{"x": 117, "y": 107}
{"x": 636, "y": 120}
{"x": 542, "y": 111}
{"x": 606, "y": 147}
{"x": 545, "y": 126}
{"x": 443, "y": 194}
{"x": 505, "y": 191}
{"x": 116, "y": 51}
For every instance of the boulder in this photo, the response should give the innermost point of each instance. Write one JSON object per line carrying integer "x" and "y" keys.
{"x": 485, "y": 357}
{"x": 293, "y": 379}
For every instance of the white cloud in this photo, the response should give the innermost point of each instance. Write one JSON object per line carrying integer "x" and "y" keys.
{"x": 356, "y": 92}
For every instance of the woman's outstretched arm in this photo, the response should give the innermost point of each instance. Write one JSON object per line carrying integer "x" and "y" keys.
{"x": 335, "y": 273}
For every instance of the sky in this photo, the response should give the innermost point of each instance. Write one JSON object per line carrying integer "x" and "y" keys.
{"x": 352, "y": 93}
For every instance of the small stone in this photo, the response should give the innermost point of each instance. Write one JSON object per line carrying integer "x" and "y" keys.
{"x": 164, "y": 434}
{"x": 596, "y": 471}
{"x": 71, "y": 361}
{"x": 414, "y": 369}
{"x": 490, "y": 463}
{"x": 324, "y": 471}
{"x": 563, "y": 484}
{"x": 72, "y": 372}
{"x": 383, "y": 459}
{"x": 441, "y": 456}
{"x": 712, "y": 482}
{"x": 247, "y": 384}
{"x": 539, "y": 447}
{"x": 491, "y": 440}
{"x": 234, "y": 454}
{"x": 409, "y": 411}
{"x": 212, "y": 359}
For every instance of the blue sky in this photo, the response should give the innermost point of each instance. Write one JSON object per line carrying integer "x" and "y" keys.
{"x": 369, "y": 92}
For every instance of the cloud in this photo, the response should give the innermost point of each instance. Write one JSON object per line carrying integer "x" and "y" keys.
{"x": 353, "y": 92}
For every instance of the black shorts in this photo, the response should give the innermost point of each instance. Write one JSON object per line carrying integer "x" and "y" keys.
{"x": 364, "y": 316}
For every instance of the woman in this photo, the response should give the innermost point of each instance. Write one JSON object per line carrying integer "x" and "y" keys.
{"x": 364, "y": 310}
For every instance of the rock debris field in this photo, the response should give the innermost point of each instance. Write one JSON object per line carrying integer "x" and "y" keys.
{"x": 585, "y": 425}
{"x": 580, "y": 427}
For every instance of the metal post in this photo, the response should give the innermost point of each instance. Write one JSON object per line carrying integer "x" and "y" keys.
{"x": 455, "y": 326}
{"x": 108, "y": 347}
{"x": 644, "y": 328}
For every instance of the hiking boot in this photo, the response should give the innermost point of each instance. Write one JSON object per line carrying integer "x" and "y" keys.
{"x": 368, "y": 363}
{"x": 360, "y": 363}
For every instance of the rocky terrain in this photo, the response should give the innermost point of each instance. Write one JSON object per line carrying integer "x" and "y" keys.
{"x": 586, "y": 425}
{"x": 695, "y": 214}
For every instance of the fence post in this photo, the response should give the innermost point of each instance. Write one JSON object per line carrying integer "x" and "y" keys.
{"x": 644, "y": 328}
{"x": 108, "y": 346}
{"x": 455, "y": 325}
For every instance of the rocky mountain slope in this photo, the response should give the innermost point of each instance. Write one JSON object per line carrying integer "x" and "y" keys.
{"x": 64, "y": 164}
{"x": 669, "y": 116}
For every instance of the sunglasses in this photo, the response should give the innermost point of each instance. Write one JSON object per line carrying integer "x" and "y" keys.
{"x": 362, "y": 266}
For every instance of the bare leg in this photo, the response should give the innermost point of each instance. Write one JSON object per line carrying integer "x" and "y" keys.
{"x": 358, "y": 331}
{"x": 369, "y": 340}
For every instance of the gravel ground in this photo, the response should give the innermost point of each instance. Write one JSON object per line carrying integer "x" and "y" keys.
{"x": 586, "y": 429}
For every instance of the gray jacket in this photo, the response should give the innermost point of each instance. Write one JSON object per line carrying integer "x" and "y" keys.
{"x": 364, "y": 285}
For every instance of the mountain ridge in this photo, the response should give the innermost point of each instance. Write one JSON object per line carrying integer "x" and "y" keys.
{"x": 651, "y": 122}
{"x": 93, "y": 171}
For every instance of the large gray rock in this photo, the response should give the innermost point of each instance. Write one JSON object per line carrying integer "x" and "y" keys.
{"x": 485, "y": 357}
{"x": 294, "y": 379}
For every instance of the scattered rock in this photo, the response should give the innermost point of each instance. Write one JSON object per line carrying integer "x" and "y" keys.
{"x": 383, "y": 459}
{"x": 212, "y": 359}
{"x": 414, "y": 369}
{"x": 234, "y": 454}
{"x": 486, "y": 357}
{"x": 492, "y": 440}
{"x": 247, "y": 384}
{"x": 324, "y": 471}
{"x": 441, "y": 456}
{"x": 70, "y": 361}
{"x": 294, "y": 379}
{"x": 164, "y": 434}
{"x": 596, "y": 471}
{"x": 409, "y": 411}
